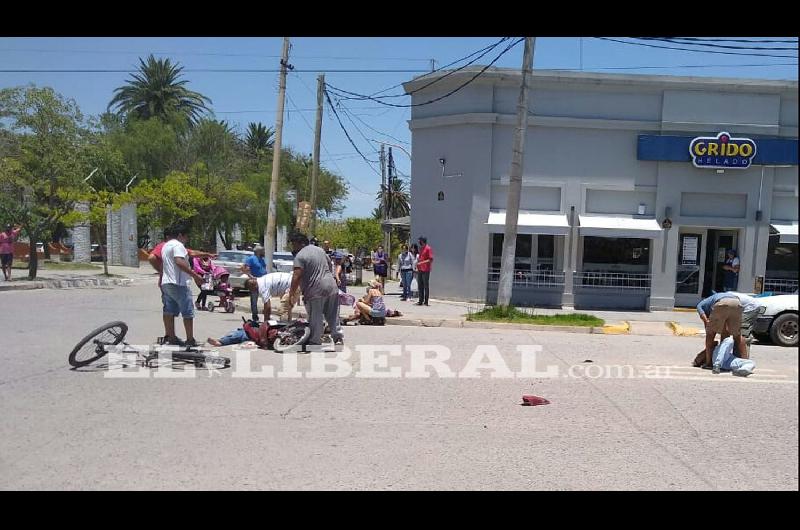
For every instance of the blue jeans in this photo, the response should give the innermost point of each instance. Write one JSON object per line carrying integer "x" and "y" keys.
{"x": 177, "y": 300}
{"x": 723, "y": 356}
{"x": 407, "y": 274}
{"x": 236, "y": 336}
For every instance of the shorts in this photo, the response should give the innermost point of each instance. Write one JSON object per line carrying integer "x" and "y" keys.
{"x": 177, "y": 300}
{"x": 6, "y": 259}
{"x": 727, "y": 314}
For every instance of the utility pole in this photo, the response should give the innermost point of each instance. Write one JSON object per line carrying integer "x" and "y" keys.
{"x": 389, "y": 174}
{"x": 269, "y": 233}
{"x": 384, "y": 202}
{"x": 317, "y": 139}
{"x": 515, "y": 182}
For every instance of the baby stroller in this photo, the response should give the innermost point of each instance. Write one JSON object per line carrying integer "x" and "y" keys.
{"x": 216, "y": 283}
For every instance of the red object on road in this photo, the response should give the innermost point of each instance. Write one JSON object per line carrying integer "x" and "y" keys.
{"x": 532, "y": 401}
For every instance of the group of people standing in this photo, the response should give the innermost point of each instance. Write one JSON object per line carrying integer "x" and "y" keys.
{"x": 413, "y": 262}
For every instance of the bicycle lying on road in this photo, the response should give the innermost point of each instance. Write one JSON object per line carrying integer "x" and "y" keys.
{"x": 110, "y": 338}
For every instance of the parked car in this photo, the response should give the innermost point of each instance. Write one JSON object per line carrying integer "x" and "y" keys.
{"x": 282, "y": 262}
{"x": 779, "y": 321}
{"x": 97, "y": 252}
{"x": 232, "y": 261}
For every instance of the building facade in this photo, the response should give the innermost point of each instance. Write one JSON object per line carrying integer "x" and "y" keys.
{"x": 615, "y": 211}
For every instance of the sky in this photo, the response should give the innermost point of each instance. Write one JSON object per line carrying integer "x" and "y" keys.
{"x": 243, "y": 97}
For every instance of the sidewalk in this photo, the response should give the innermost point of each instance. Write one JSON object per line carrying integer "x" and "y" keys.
{"x": 76, "y": 279}
{"x": 452, "y": 314}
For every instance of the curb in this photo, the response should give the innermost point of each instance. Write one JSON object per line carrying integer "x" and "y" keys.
{"x": 452, "y": 323}
{"x": 680, "y": 331}
{"x": 617, "y": 329}
{"x": 66, "y": 284}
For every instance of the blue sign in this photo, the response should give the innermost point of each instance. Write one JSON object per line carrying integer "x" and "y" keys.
{"x": 722, "y": 151}
{"x": 666, "y": 148}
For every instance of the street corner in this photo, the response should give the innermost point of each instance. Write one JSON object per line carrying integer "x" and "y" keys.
{"x": 679, "y": 330}
{"x": 623, "y": 328}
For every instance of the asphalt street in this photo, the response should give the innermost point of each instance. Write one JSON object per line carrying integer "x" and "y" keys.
{"x": 610, "y": 425}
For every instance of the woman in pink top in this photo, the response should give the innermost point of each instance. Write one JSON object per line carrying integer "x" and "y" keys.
{"x": 7, "y": 239}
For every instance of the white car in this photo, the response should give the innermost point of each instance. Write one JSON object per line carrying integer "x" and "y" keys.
{"x": 232, "y": 261}
{"x": 779, "y": 321}
{"x": 282, "y": 262}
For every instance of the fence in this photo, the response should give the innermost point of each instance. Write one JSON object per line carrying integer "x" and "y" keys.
{"x": 616, "y": 281}
{"x": 529, "y": 278}
{"x": 780, "y": 285}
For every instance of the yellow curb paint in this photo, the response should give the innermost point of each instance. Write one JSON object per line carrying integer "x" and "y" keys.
{"x": 680, "y": 331}
{"x": 684, "y": 309}
{"x": 617, "y": 329}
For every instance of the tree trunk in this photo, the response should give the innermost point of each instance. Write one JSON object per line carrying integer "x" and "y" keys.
{"x": 33, "y": 259}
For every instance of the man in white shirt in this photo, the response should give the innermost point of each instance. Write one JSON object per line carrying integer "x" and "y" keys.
{"x": 176, "y": 295}
{"x": 274, "y": 284}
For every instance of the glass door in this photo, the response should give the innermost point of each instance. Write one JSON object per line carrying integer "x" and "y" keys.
{"x": 690, "y": 269}
{"x": 724, "y": 240}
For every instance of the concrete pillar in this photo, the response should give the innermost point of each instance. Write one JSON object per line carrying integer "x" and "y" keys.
{"x": 282, "y": 237}
{"x": 129, "y": 236}
{"x": 113, "y": 236}
{"x": 237, "y": 235}
{"x": 81, "y": 238}
{"x": 220, "y": 244}
{"x": 663, "y": 268}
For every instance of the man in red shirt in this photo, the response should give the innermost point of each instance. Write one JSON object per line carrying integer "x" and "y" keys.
{"x": 424, "y": 270}
{"x": 157, "y": 263}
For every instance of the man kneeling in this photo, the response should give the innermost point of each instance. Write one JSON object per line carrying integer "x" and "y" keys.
{"x": 274, "y": 284}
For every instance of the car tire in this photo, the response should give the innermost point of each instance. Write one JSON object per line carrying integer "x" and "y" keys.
{"x": 784, "y": 330}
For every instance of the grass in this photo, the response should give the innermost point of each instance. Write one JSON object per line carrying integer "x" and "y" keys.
{"x": 512, "y": 314}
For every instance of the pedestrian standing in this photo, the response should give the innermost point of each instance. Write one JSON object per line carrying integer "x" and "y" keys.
{"x": 256, "y": 267}
{"x": 731, "y": 268}
{"x": 380, "y": 267}
{"x": 7, "y": 240}
{"x": 424, "y": 266}
{"x": 406, "y": 267}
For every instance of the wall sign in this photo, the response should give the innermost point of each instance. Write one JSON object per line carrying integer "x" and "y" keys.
{"x": 690, "y": 250}
{"x": 722, "y": 151}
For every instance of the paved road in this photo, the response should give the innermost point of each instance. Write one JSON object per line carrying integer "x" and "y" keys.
{"x": 64, "y": 429}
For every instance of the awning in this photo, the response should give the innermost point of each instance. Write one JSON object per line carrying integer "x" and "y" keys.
{"x": 787, "y": 230}
{"x": 618, "y": 226}
{"x": 530, "y": 223}
{"x": 401, "y": 222}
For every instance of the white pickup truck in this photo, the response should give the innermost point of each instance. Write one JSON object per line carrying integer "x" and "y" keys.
{"x": 779, "y": 321}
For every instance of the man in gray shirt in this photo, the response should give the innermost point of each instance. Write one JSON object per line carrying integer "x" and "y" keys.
{"x": 312, "y": 274}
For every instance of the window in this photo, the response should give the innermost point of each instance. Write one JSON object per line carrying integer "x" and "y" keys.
{"x": 526, "y": 257}
{"x": 782, "y": 259}
{"x": 616, "y": 254}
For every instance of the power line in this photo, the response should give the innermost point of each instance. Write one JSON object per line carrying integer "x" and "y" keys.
{"x": 509, "y": 47}
{"x": 339, "y": 120}
{"x": 695, "y": 50}
{"x": 715, "y": 39}
{"x": 665, "y": 67}
{"x": 342, "y": 173}
{"x": 210, "y": 70}
{"x": 210, "y": 54}
{"x": 710, "y": 45}
{"x": 484, "y": 51}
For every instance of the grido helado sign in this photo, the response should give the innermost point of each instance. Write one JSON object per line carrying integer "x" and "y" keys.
{"x": 722, "y": 151}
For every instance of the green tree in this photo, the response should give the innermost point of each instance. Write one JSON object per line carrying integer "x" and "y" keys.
{"x": 259, "y": 139}
{"x": 398, "y": 199}
{"x": 156, "y": 91}
{"x": 161, "y": 203}
{"x": 150, "y": 148}
{"x": 42, "y": 168}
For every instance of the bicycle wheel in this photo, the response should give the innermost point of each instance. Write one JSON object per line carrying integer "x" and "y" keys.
{"x": 292, "y": 341}
{"x": 92, "y": 346}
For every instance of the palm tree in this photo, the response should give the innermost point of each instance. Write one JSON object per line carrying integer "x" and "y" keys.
{"x": 156, "y": 91}
{"x": 399, "y": 199}
{"x": 259, "y": 137}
